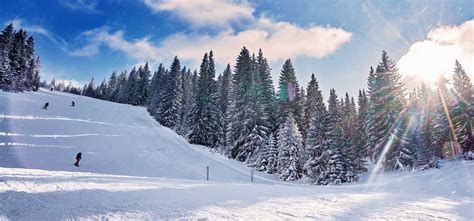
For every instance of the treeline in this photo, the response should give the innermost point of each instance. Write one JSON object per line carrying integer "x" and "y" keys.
{"x": 293, "y": 132}
{"x": 19, "y": 68}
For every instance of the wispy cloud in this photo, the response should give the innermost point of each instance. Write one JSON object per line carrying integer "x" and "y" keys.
{"x": 89, "y": 6}
{"x": 21, "y": 24}
{"x": 205, "y": 12}
{"x": 279, "y": 40}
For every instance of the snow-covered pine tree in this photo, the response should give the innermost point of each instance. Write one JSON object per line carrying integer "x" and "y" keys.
{"x": 269, "y": 161}
{"x": 313, "y": 105}
{"x": 187, "y": 102}
{"x": 289, "y": 142}
{"x": 112, "y": 89}
{"x": 156, "y": 91}
{"x": 29, "y": 65}
{"x": 36, "y": 76}
{"x": 224, "y": 96}
{"x": 386, "y": 109}
{"x": 204, "y": 124}
{"x": 442, "y": 133}
{"x": 17, "y": 61}
{"x": 122, "y": 96}
{"x": 317, "y": 147}
{"x": 336, "y": 169}
{"x": 170, "y": 108}
{"x": 425, "y": 156}
{"x": 315, "y": 122}
{"x": 101, "y": 90}
{"x": 463, "y": 113}
{"x": 289, "y": 94}
{"x": 249, "y": 126}
{"x": 361, "y": 133}
{"x": 6, "y": 44}
{"x": 267, "y": 91}
{"x": 143, "y": 87}
{"x": 90, "y": 90}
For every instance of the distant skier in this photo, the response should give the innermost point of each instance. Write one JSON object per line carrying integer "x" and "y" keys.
{"x": 46, "y": 105}
{"x": 78, "y": 159}
{"x": 73, "y": 104}
{"x": 52, "y": 89}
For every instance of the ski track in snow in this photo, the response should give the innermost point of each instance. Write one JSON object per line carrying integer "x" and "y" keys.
{"x": 135, "y": 169}
{"x": 54, "y": 135}
{"x": 13, "y": 117}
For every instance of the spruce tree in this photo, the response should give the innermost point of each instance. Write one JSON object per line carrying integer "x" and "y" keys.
{"x": 289, "y": 144}
{"x": 266, "y": 90}
{"x": 289, "y": 94}
{"x": 156, "y": 91}
{"x": 6, "y": 44}
{"x": 224, "y": 102}
{"x": 463, "y": 116}
{"x": 385, "y": 112}
{"x": 205, "y": 116}
{"x": 170, "y": 109}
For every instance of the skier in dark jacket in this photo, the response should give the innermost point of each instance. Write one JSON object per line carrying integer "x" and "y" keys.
{"x": 73, "y": 104}
{"x": 46, "y": 105}
{"x": 78, "y": 159}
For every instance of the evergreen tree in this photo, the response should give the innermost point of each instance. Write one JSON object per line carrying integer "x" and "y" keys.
{"x": 112, "y": 89}
{"x": 224, "y": 102}
{"x": 122, "y": 96}
{"x": 170, "y": 108}
{"x": 143, "y": 88}
{"x": 289, "y": 144}
{"x": 249, "y": 125}
{"x": 90, "y": 90}
{"x": 187, "y": 102}
{"x": 336, "y": 168}
{"x": 442, "y": 133}
{"x": 17, "y": 61}
{"x": 385, "y": 112}
{"x": 463, "y": 116}
{"x": 205, "y": 113}
{"x": 6, "y": 44}
{"x": 267, "y": 91}
{"x": 157, "y": 91}
{"x": 314, "y": 105}
{"x": 289, "y": 94}
{"x": 361, "y": 135}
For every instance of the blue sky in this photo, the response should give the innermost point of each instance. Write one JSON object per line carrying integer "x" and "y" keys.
{"x": 336, "y": 40}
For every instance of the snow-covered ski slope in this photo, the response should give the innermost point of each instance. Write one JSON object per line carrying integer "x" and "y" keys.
{"x": 134, "y": 169}
{"x": 113, "y": 138}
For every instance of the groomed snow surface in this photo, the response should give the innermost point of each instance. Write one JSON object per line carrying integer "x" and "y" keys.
{"x": 133, "y": 168}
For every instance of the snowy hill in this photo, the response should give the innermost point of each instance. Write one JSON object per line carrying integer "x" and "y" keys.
{"x": 133, "y": 168}
{"x": 114, "y": 139}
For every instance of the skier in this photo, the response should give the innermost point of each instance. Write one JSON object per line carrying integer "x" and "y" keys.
{"x": 78, "y": 159}
{"x": 52, "y": 89}
{"x": 72, "y": 103}
{"x": 46, "y": 105}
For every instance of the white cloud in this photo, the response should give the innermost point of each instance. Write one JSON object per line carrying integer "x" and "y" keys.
{"x": 21, "y": 24}
{"x": 436, "y": 55}
{"x": 89, "y": 6}
{"x": 138, "y": 49}
{"x": 204, "y": 12}
{"x": 279, "y": 40}
{"x": 48, "y": 76}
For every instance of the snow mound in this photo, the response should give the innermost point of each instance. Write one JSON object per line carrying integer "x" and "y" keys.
{"x": 113, "y": 138}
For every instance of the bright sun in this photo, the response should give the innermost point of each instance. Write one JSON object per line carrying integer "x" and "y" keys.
{"x": 436, "y": 55}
